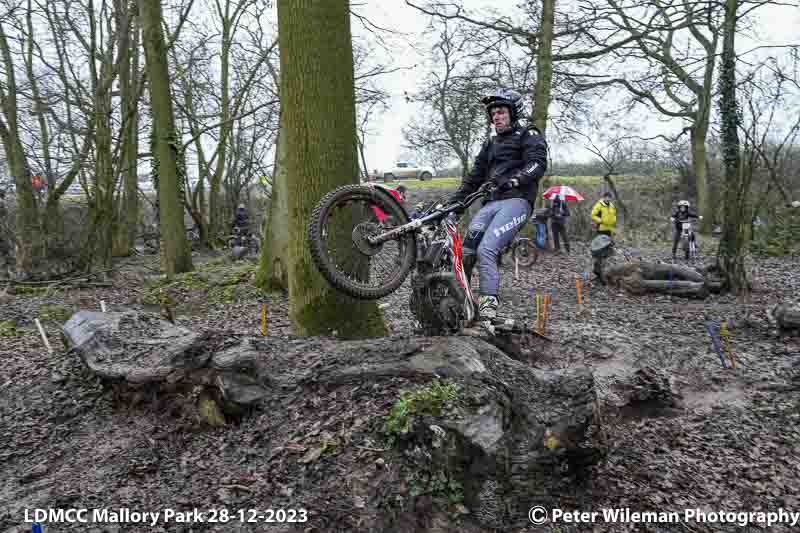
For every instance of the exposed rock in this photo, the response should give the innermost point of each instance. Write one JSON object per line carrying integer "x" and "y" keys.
{"x": 136, "y": 349}
{"x": 510, "y": 436}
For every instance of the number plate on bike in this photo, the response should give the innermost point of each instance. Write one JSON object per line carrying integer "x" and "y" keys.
{"x": 687, "y": 225}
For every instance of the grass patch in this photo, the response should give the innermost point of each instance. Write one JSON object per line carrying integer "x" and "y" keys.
{"x": 8, "y": 328}
{"x": 429, "y": 400}
{"x": 218, "y": 279}
{"x": 435, "y": 183}
{"x": 54, "y": 313}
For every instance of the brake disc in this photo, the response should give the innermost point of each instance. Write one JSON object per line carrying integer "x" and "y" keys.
{"x": 361, "y": 234}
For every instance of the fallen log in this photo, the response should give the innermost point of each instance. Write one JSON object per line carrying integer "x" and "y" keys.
{"x": 676, "y": 288}
{"x": 458, "y": 408}
{"x": 786, "y": 316}
{"x": 641, "y": 277}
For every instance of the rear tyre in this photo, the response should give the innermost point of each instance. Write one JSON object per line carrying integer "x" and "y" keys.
{"x": 525, "y": 252}
{"x": 358, "y": 221}
{"x": 425, "y": 176}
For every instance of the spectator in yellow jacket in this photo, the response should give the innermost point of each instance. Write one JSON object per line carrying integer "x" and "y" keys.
{"x": 604, "y": 215}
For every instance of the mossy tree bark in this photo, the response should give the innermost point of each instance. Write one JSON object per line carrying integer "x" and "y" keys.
{"x": 128, "y": 208}
{"x": 543, "y": 47}
{"x": 29, "y": 240}
{"x": 272, "y": 273}
{"x": 318, "y": 92}
{"x": 736, "y": 209}
{"x": 176, "y": 254}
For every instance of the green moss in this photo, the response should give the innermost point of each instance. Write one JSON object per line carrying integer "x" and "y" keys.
{"x": 54, "y": 313}
{"x": 429, "y": 400}
{"x": 780, "y": 237}
{"x": 27, "y": 290}
{"x": 8, "y": 328}
{"x": 325, "y": 316}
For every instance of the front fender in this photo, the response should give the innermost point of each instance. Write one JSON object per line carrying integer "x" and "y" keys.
{"x": 386, "y": 194}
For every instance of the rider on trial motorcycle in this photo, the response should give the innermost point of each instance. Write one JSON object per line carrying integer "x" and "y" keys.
{"x": 514, "y": 159}
{"x": 683, "y": 213}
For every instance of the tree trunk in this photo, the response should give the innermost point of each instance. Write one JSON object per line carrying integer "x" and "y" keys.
{"x": 29, "y": 236}
{"x": 613, "y": 188}
{"x": 128, "y": 210}
{"x": 99, "y": 236}
{"x": 544, "y": 66}
{"x": 365, "y": 172}
{"x": 317, "y": 86}
{"x": 700, "y": 192}
{"x": 737, "y": 214}
{"x": 215, "y": 203}
{"x": 272, "y": 272}
{"x": 464, "y": 167}
{"x": 176, "y": 255}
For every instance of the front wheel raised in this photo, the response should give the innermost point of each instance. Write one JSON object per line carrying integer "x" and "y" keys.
{"x": 338, "y": 236}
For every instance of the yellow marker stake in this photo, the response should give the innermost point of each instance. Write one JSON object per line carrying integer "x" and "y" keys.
{"x": 726, "y": 334}
{"x": 264, "y": 320}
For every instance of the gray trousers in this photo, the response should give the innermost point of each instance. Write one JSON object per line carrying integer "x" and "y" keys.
{"x": 492, "y": 229}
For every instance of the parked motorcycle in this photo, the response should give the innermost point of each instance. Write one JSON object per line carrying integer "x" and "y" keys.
{"x": 242, "y": 239}
{"x": 368, "y": 260}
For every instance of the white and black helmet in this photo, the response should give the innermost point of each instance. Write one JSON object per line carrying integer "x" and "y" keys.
{"x": 504, "y": 97}
{"x": 683, "y": 203}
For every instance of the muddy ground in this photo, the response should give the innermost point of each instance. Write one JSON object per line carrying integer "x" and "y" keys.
{"x": 67, "y": 441}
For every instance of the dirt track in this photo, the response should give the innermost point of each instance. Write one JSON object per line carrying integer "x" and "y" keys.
{"x": 733, "y": 445}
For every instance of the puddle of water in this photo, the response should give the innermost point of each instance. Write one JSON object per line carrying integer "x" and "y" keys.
{"x": 734, "y": 397}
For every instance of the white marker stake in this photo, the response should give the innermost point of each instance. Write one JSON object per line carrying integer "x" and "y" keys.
{"x": 516, "y": 267}
{"x": 103, "y": 305}
{"x": 44, "y": 336}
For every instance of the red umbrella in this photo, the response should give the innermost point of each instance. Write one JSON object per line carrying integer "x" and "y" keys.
{"x": 563, "y": 191}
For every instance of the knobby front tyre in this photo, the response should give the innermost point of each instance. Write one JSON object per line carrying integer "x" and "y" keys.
{"x": 344, "y": 217}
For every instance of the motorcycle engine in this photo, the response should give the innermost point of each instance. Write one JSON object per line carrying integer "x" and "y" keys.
{"x": 437, "y": 301}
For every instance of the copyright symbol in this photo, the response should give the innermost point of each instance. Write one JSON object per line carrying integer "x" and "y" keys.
{"x": 537, "y": 515}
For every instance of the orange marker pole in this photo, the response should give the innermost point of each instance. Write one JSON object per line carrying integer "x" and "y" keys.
{"x": 544, "y": 313}
{"x": 538, "y": 311}
{"x": 263, "y": 320}
{"x": 580, "y": 294}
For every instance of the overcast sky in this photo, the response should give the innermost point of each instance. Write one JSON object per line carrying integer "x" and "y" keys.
{"x": 777, "y": 25}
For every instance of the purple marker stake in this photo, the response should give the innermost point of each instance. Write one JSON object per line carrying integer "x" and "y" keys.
{"x": 712, "y": 328}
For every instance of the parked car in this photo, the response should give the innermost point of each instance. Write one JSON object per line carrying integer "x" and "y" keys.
{"x": 407, "y": 169}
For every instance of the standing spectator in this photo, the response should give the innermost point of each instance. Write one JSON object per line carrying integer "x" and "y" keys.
{"x": 558, "y": 222}
{"x": 604, "y": 215}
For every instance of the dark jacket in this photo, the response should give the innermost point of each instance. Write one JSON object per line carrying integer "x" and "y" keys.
{"x": 241, "y": 219}
{"x": 683, "y": 216}
{"x": 519, "y": 153}
{"x": 558, "y": 210}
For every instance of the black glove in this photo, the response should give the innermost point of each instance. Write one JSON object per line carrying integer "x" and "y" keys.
{"x": 459, "y": 210}
{"x": 506, "y": 185}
